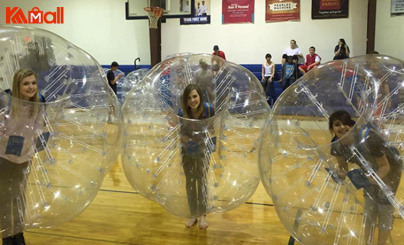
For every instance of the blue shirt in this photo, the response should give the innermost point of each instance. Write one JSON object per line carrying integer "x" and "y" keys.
{"x": 289, "y": 70}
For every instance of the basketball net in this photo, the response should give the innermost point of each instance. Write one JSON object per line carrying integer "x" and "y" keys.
{"x": 154, "y": 14}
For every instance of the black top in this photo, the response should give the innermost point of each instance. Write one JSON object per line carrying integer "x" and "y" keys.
{"x": 342, "y": 53}
{"x": 370, "y": 146}
{"x": 111, "y": 77}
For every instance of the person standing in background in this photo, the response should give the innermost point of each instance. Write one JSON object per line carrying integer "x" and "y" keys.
{"x": 111, "y": 76}
{"x": 216, "y": 62}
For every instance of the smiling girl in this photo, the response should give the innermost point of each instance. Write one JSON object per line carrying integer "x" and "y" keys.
{"x": 19, "y": 125}
{"x": 195, "y": 152}
{"x": 365, "y": 147}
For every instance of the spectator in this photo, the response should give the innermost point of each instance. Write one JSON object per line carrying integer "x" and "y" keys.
{"x": 217, "y": 63}
{"x": 268, "y": 72}
{"x": 218, "y": 52}
{"x": 341, "y": 51}
{"x": 312, "y": 60}
{"x": 293, "y": 51}
{"x": 289, "y": 73}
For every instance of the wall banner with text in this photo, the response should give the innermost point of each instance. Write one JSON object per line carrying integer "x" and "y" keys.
{"x": 397, "y": 7}
{"x": 329, "y": 9}
{"x": 281, "y": 10}
{"x": 201, "y": 14}
{"x": 237, "y": 11}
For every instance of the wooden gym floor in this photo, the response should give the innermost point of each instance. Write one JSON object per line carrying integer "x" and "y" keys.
{"x": 118, "y": 215}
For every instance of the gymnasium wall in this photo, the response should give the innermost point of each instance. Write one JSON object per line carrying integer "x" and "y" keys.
{"x": 100, "y": 28}
{"x": 389, "y": 31}
{"x": 248, "y": 43}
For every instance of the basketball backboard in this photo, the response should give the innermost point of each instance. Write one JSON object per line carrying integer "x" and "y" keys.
{"x": 171, "y": 8}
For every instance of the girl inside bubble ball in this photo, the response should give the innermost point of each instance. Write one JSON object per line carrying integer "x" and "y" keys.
{"x": 383, "y": 159}
{"x": 17, "y": 133}
{"x": 195, "y": 153}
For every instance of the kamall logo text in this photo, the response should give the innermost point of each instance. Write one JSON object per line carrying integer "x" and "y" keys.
{"x": 35, "y": 16}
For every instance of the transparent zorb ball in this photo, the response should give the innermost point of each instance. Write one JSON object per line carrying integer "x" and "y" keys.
{"x": 193, "y": 167}
{"x": 299, "y": 155}
{"x": 129, "y": 81}
{"x": 58, "y": 148}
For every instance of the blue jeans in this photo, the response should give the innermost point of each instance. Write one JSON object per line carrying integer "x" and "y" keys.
{"x": 287, "y": 82}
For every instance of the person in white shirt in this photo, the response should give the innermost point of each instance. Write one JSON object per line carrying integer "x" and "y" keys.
{"x": 268, "y": 72}
{"x": 293, "y": 51}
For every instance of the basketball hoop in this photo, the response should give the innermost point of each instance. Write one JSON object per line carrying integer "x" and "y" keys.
{"x": 154, "y": 14}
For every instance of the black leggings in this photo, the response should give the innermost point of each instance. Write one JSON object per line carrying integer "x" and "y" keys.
{"x": 195, "y": 170}
{"x": 13, "y": 179}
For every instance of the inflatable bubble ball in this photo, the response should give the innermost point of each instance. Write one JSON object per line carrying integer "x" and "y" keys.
{"x": 129, "y": 81}
{"x": 60, "y": 129}
{"x": 331, "y": 153}
{"x": 194, "y": 166}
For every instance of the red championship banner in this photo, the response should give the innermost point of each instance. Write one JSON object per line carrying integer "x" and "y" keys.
{"x": 237, "y": 11}
{"x": 282, "y": 10}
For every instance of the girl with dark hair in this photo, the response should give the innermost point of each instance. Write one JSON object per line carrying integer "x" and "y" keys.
{"x": 341, "y": 51}
{"x": 196, "y": 153}
{"x": 366, "y": 148}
